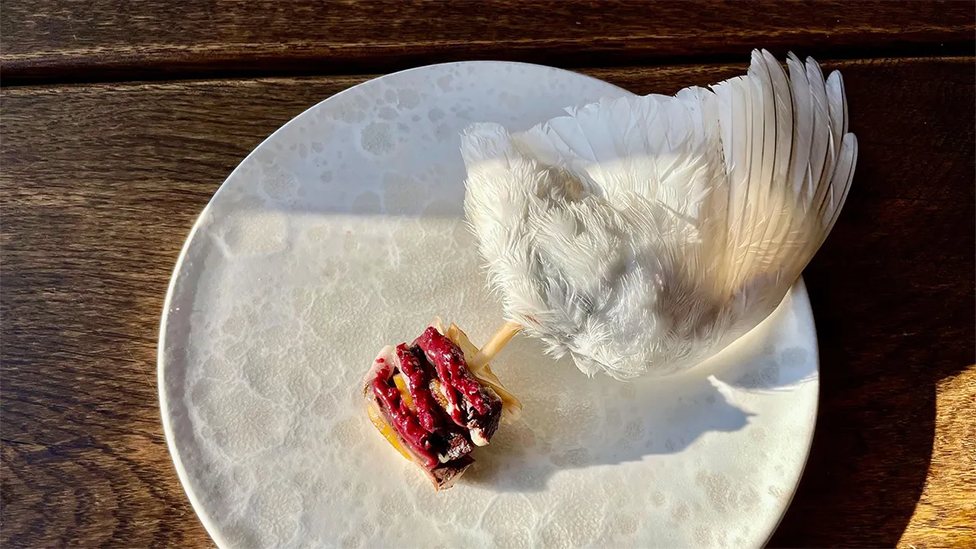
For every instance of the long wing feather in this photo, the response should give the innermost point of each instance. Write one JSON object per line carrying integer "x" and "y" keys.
{"x": 795, "y": 203}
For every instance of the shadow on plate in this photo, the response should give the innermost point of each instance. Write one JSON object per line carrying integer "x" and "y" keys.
{"x": 573, "y": 422}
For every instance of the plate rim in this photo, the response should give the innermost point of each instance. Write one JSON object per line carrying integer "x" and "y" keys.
{"x": 801, "y": 286}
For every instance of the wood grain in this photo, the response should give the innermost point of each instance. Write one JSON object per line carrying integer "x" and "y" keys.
{"x": 98, "y": 40}
{"x": 101, "y": 184}
{"x": 945, "y": 515}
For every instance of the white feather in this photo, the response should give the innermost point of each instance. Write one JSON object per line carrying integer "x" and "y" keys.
{"x": 644, "y": 234}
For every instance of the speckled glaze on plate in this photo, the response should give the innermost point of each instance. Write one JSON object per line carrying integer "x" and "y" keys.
{"x": 343, "y": 232}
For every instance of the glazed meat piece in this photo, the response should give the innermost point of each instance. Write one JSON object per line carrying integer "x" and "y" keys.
{"x": 431, "y": 406}
{"x": 480, "y": 408}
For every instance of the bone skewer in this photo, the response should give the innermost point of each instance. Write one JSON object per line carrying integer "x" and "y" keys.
{"x": 494, "y": 345}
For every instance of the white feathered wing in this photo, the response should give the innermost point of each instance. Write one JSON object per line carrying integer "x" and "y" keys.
{"x": 644, "y": 234}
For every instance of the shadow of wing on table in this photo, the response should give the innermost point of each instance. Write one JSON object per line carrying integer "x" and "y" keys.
{"x": 892, "y": 292}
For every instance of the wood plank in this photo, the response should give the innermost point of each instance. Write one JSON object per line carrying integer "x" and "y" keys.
{"x": 101, "y": 184}
{"x": 100, "y": 40}
{"x": 945, "y": 515}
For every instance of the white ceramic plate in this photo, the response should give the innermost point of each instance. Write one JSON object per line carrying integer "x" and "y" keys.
{"x": 343, "y": 232}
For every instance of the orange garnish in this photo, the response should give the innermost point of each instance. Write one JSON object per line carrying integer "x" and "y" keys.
{"x": 404, "y": 393}
{"x": 386, "y": 430}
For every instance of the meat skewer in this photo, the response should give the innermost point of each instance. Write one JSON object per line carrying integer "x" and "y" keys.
{"x": 432, "y": 406}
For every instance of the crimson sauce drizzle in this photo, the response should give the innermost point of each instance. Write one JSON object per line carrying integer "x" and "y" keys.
{"x": 418, "y": 385}
{"x": 403, "y": 421}
{"x": 451, "y": 368}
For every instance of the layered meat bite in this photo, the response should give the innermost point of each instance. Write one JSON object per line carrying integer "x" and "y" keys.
{"x": 432, "y": 406}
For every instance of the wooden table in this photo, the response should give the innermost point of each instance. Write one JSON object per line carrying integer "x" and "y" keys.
{"x": 120, "y": 120}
